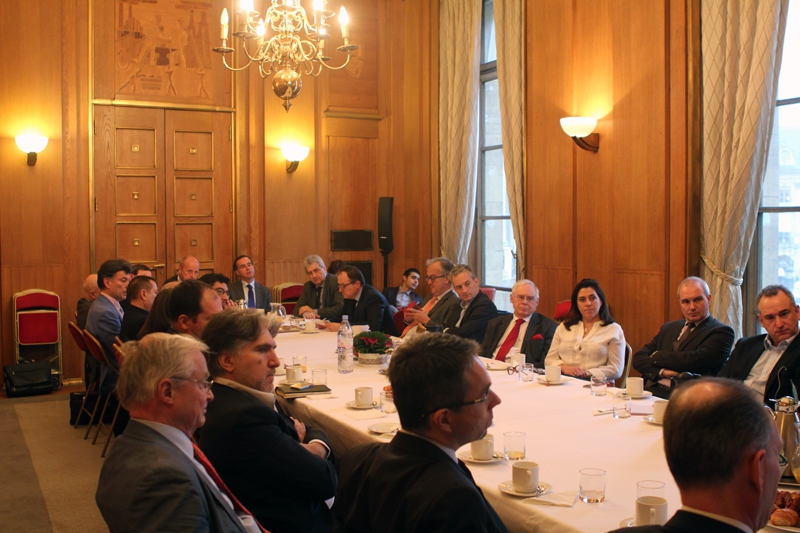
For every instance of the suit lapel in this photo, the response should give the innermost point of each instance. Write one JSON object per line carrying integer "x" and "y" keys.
{"x": 530, "y": 331}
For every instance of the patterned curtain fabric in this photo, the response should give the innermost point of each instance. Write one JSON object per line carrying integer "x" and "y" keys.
{"x": 459, "y": 89}
{"x": 742, "y": 48}
{"x": 509, "y": 16}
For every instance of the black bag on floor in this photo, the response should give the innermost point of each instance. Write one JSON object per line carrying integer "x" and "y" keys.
{"x": 27, "y": 378}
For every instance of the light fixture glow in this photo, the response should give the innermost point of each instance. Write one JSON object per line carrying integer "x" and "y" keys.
{"x": 294, "y": 153}
{"x": 31, "y": 144}
{"x": 580, "y": 129}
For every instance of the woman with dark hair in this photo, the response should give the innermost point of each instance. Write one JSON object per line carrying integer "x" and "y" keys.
{"x": 157, "y": 321}
{"x": 589, "y": 342}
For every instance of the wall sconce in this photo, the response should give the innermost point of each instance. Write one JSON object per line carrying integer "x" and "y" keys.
{"x": 31, "y": 144}
{"x": 294, "y": 153}
{"x": 580, "y": 129}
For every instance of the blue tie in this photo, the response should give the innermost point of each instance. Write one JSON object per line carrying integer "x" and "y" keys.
{"x": 251, "y": 298}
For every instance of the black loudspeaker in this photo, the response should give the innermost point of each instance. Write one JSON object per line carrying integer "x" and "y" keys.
{"x": 353, "y": 240}
{"x": 385, "y": 241}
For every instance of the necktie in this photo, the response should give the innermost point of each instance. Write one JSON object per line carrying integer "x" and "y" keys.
{"x": 427, "y": 308}
{"x": 687, "y": 329}
{"x": 513, "y": 335}
{"x": 213, "y": 474}
{"x": 251, "y": 298}
{"x": 318, "y": 302}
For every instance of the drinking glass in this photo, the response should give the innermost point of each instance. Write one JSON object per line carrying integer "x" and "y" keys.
{"x": 514, "y": 445}
{"x": 592, "y": 485}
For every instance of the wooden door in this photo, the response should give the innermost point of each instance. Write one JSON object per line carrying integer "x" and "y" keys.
{"x": 163, "y": 188}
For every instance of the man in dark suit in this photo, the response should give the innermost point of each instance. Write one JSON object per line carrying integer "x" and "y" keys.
{"x": 416, "y": 483}
{"x": 91, "y": 367}
{"x": 534, "y": 332}
{"x": 280, "y": 469}
{"x": 192, "y": 303}
{"x": 142, "y": 291}
{"x": 255, "y": 295}
{"x": 436, "y": 305}
{"x": 136, "y": 270}
{"x": 320, "y": 296}
{"x": 723, "y": 450}
{"x": 152, "y": 479}
{"x": 470, "y": 318}
{"x": 404, "y": 295}
{"x": 188, "y": 268}
{"x": 770, "y": 364}
{"x": 363, "y": 304}
{"x": 698, "y": 343}
{"x": 104, "y": 320}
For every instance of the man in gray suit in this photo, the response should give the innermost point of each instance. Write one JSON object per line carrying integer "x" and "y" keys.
{"x": 320, "y": 295}
{"x": 153, "y": 480}
{"x": 255, "y": 295}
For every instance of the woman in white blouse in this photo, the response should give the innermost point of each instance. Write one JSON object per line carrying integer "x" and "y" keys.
{"x": 589, "y": 342}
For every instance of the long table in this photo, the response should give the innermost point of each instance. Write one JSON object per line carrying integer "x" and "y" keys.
{"x": 562, "y": 436}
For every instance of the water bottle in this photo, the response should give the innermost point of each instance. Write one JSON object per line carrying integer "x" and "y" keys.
{"x": 345, "y": 347}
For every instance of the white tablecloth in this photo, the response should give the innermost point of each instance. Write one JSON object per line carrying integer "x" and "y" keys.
{"x": 562, "y": 436}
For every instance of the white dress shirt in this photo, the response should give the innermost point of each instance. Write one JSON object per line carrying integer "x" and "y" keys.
{"x": 600, "y": 352}
{"x": 244, "y": 291}
{"x": 759, "y": 374}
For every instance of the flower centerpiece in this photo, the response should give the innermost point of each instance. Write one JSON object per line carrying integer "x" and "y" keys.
{"x": 371, "y": 346}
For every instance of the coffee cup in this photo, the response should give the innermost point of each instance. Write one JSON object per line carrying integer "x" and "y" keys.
{"x": 552, "y": 374}
{"x": 483, "y": 449}
{"x": 294, "y": 374}
{"x": 651, "y": 510}
{"x": 635, "y": 386}
{"x": 311, "y": 325}
{"x": 364, "y": 396}
{"x": 659, "y": 407}
{"x": 525, "y": 476}
{"x": 360, "y": 329}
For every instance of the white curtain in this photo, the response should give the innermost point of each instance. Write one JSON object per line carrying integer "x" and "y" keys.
{"x": 459, "y": 90}
{"x": 509, "y": 16}
{"x": 742, "y": 48}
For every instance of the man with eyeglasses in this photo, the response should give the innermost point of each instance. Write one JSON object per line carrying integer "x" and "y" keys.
{"x": 416, "y": 483}
{"x": 281, "y": 470}
{"x": 219, "y": 282}
{"x": 363, "y": 304}
{"x": 698, "y": 343}
{"x": 769, "y": 364}
{"x": 154, "y": 479}
{"x": 436, "y": 305}
{"x": 525, "y": 332}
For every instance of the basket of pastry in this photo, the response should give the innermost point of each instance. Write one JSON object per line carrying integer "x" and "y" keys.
{"x": 786, "y": 509}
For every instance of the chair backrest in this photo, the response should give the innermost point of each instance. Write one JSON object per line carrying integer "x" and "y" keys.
{"x": 96, "y": 349}
{"x": 36, "y": 298}
{"x": 489, "y": 291}
{"x": 399, "y": 322}
{"x": 291, "y": 293}
{"x": 622, "y": 382}
{"x": 562, "y": 311}
{"x": 77, "y": 336}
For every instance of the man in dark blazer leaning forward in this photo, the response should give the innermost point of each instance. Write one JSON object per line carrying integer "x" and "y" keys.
{"x": 363, "y": 304}
{"x": 770, "y": 364}
{"x": 723, "y": 450}
{"x": 698, "y": 343}
{"x": 534, "y": 334}
{"x": 416, "y": 483}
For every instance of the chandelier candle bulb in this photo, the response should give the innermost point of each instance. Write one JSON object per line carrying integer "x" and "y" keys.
{"x": 223, "y": 20}
{"x": 344, "y": 20}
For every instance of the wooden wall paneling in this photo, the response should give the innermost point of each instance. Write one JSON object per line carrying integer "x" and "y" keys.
{"x": 555, "y": 285}
{"x": 103, "y": 31}
{"x": 636, "y": 293}
{"x": 224, "y": 236}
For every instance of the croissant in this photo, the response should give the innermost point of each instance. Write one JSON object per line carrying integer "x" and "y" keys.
{"x": 784, "y": 517}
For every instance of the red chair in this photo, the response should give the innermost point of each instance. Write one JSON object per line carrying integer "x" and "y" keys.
{"x": 399, "y": 322}
{"x": 489, "y": 291}
{"x": 99, "y": 353}
{"x": 287, "y": 295}
{"x": 77, "y": 336}
{"x": 37, "y": 322}
{"x": 562, "y": 311}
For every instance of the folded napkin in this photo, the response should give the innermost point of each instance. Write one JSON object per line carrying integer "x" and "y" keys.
{"x": 559, "y": 499}
{"x": 365, "y": 415}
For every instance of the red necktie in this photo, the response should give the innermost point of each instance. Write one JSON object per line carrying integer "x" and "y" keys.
{"x": 427, "y": 309}
{"x": 212, "y": 473}
{"x": 510, "y": 340}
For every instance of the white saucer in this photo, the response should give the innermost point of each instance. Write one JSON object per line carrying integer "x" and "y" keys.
{"x": 645, "y": 394}
{"x": 494, "y": 364}
{"x": 281, "y": 372}
{"x": 543, "y": 381}
{"x": 352, "y": 405}
{"x": 651, "y": 420}
{"x": 508, "y": 488}
{"x": 628, "y": 522}
{"x": 284, "y": 382}
{"x": 383, "y": 429}
{"x": 466, "y": 456}
{"x": 307, "y": 332}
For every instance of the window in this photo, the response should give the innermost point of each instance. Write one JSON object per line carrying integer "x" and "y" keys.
{"x": 496, "y": 250}
{"x": 776, "y": 252}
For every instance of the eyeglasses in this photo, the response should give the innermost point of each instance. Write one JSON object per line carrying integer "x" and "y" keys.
{"x": 458, "y": 405}
{"x": 429, "y": 279}
{"x": 222, "y": 292}
{"x": 204, "y": 383}
{"x": 343, "y": 285}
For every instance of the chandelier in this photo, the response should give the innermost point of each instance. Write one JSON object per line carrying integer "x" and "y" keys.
{"x": 285, "y": 54}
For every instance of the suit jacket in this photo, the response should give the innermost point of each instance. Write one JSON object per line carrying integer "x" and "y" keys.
{"x": 409, "y": 485}
{"x": 257, "y": 453}
{"x": 263, "y": 295}
{"x": 148, "y": 485}
{"x": 439, "y": 312}
{"x": 105, "y": 322}
{"x": 372, "y": 310}
{"x": 132, "y": 322}
{"x": 391, "y": 295}
{"x": 684, "y": 522}
{"x": 703, "y": 351}
{"x": 83, "y": 311}
{"x": 331, "y": 300}
{"x": 785, "y": 372}
{"x": 477, "y": 316}
{"x": 535, "y": 350}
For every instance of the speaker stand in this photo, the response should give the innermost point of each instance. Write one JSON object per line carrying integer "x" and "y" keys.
{"x": 385, "y": 254}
